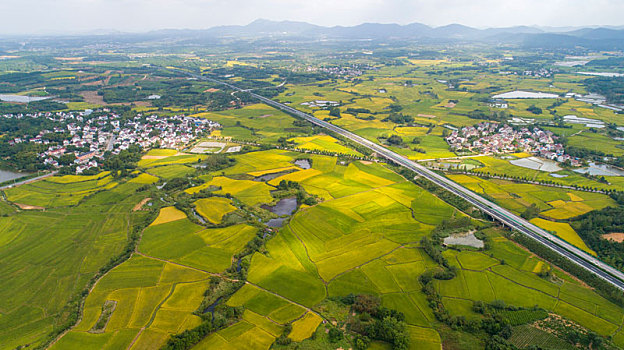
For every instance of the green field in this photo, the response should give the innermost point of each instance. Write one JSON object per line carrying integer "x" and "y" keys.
{"x": 50, "y": 256}
{"x": 59, "y": 191}
{"x": 172, "y": 258}
{"x": 553, "y": 204}
{"x": 213, "y": 209}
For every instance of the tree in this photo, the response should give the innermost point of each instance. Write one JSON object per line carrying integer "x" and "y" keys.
{"x": 395, "y": 140}
{"x": 334, "y": 112}
{"x": 335, "y": 335}
{"x": 67, "y": 159}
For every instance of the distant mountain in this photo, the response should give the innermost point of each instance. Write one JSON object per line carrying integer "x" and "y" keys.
{"x": 599, "y": 38}
{"x": 599, "y": 34}
{"x": 525, "y": 35}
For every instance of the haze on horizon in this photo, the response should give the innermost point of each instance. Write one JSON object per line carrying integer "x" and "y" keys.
{"x": 84, "y": 16}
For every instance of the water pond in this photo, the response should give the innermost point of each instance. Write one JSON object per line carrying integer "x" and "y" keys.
{"x": 524, "y": 94}
{"x": 600, "y": 170}
{"x": 21, "y": 99}
{"x": 466, "y": 239}
{"x": 6, "y": 175}
{"x": 303, "y": 163}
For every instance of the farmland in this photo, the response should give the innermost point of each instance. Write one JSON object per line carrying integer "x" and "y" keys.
{"x": 173, "y": 248}
{"x": 51, "y": 255}
{"x": 550, "y": 203}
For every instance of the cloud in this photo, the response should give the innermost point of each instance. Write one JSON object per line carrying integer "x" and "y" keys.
{"x": 45, "y": 16}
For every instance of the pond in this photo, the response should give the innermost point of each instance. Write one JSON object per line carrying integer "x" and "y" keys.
{"x": 6, "y": 175}
{"x": 524, "y": 94}
{"x": 271, "y": 176}
{"x": 603, "y": 74}
{"x": 279, "y": 222}
{"x": 536, "y": 164}
{"x": 303, "y": 163}
{"x": 21, "y": 99}
{"x": 600, "y": 170}
{"x": 467, "y": 239}
{"x": 285, "y": 206}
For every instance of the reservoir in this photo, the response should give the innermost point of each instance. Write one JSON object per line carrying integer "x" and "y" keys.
{"x": 524, "y": 94}
{"x": 21, "y": 99}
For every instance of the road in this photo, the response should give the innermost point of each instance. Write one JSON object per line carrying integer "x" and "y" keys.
{"x": 111, "y": 142}
{"x": 577, "y": 256}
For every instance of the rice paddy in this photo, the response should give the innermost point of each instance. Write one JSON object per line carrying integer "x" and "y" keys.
{"x": 60, "y": 191}
{"x": 154, "y": 299}
{"x": 324, "y": 143}
{"x": 49, "y": 256}
{"x": 168, "y": 214}
{"x": 214, "y": 208}
{"x": 551, "y": 203}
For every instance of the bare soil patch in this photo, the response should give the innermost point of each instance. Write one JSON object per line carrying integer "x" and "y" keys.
{"x": 616, "y": 237}
{"x": 211, "y": 90}
{"x": 93, "y": 98}
{"x": 450, "y": 105}
{"x": 29, "y": 207}
{"x": 427, "y": 115}
{"x": 141, "y": 204}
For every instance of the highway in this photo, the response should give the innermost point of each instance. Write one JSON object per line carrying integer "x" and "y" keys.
{"x": 577, "y": 256}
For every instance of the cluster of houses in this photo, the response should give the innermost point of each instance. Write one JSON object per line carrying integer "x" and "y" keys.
{"x": 355, "y": 70}
{"x": 493, "y": 138}
{"x": 92, "y": 137}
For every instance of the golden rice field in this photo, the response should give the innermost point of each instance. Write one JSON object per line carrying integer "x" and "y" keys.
{"x": 168, "y": 214}
{"x": 555, "y": 203}
{"x": 323, "y": 143}
{"x": 564, "y": 231}
{"x": 214, "y": 208}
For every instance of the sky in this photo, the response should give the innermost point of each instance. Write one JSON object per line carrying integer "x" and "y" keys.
{"x": 87, "y": 16}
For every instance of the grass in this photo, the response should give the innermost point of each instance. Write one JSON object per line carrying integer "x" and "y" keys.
{"x": 214, "y": 208}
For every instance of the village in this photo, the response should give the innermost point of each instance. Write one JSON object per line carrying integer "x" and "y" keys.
{"x": 493, "y": 138}
{"x": 86, "y": 137}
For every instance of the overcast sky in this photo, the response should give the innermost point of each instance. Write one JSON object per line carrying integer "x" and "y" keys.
{"x": 63, "y": 16}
